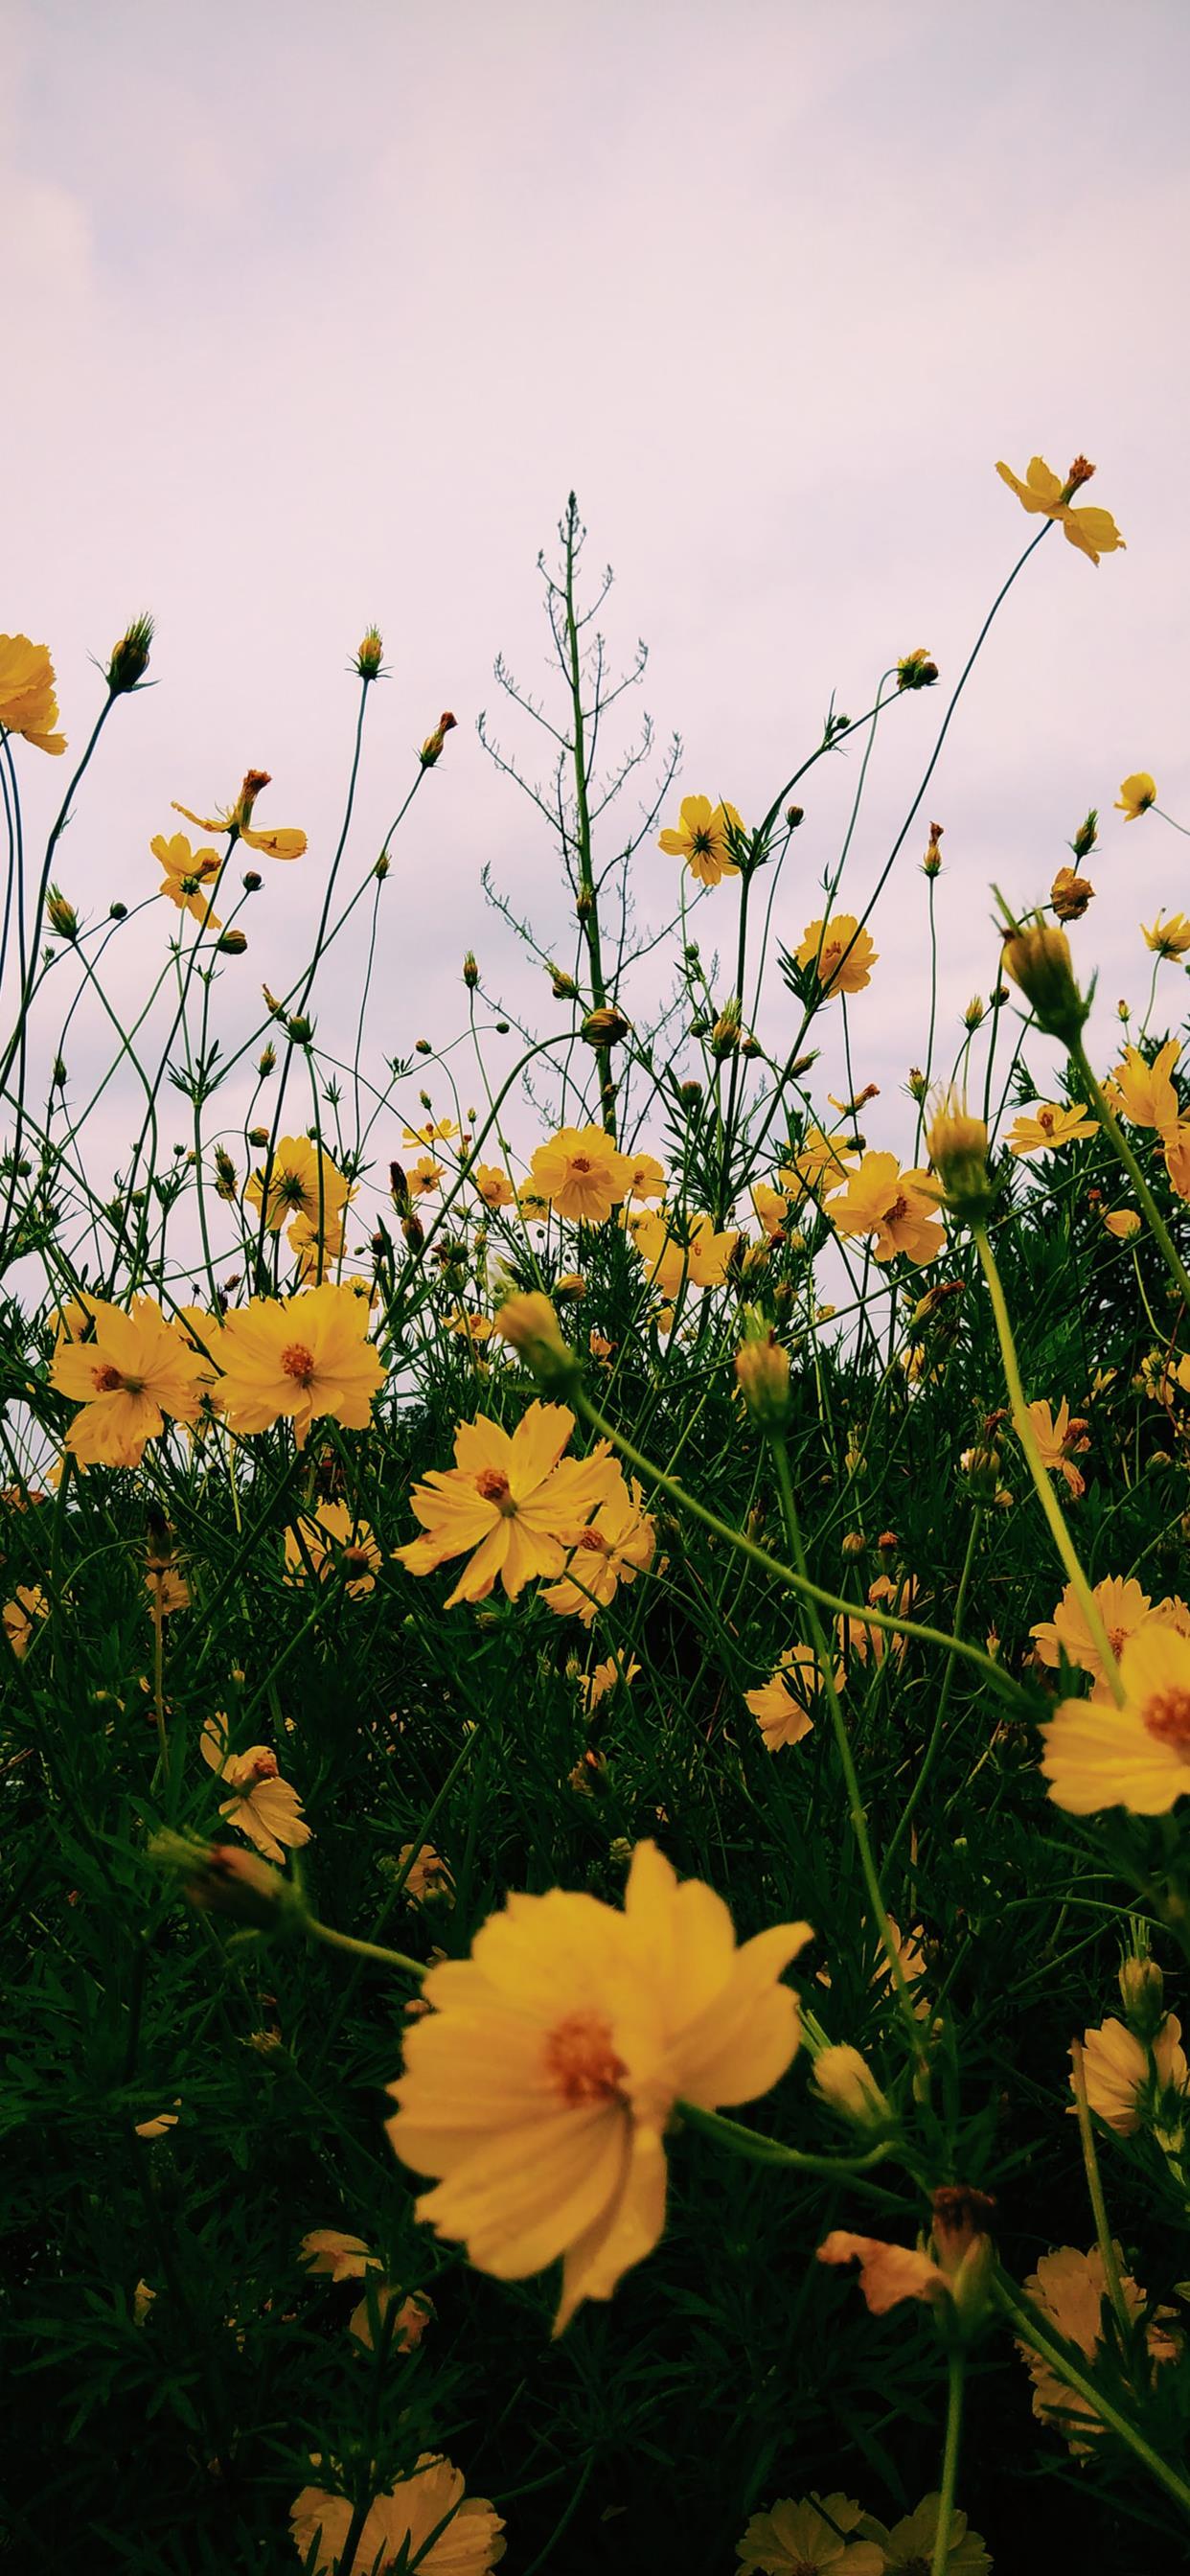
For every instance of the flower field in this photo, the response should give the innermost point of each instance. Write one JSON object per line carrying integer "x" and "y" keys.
{"x": 596, "y": 1679}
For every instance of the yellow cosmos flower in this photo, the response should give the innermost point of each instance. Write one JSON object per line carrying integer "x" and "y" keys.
{"x": 648, "y": 1177}
{"x": 1124, "y": 1223}
{"x": 1138, "y": 1756}
{"x": 533, "y": 1206}
{"x": 821, "y": 1165}
{"x": 1069, "y": 2289}
{"x": 581, "y": 1173}
{"x": 782, "y": 1705}
{"x": 1094, "y": 532}
{"x": 511, "y": 1503}
{"x": 494, "y": 1186}
{"x": 1124, "y": 1610}
{"x": 28, "y": 705}
{"x": 771, "y": 1208}
{"x": 1168, "y": 938}
{"x": 302, "y": 1182}
{"x": 470, "y": 1327}
{"x": 1175, "y": 1150}
{"x": 909, "y": 2547}
{"x": 298, "y": 1358}
{"x": 538, "y": 2089}
{"x": 1051, "y": 1124}
{"x": 894, "y": 1207}
{"x": 317, "y": 1248}
{"x": 810, "y": 2538}
{"x": 1136, "y": 795}
{"x": 187, "y": 871}
{"x": 399, "y": 2526}
{"x": 704, "y": 839}
{"x": 438, "y": 1131}
{"x": 617, "y": 1543}
{"x": 1125, "y": 2080}
{"x": 1144, "y": 1091}
{"x": 284, "y": 844}
{"x": 331, "y": 1540}
{"x": 135, "y": 1369}
{"x": 839, "y": 953}
{"x": 425, "y": 1177}
{"x": 21, "y": 1614}
{"x": 345, "y": 2258}
{"x": 1060, "y": 1438}
{"x": 262, "y": 1805}
{"x": 701, "y": 1260}
{"x": 595, "y": 1685}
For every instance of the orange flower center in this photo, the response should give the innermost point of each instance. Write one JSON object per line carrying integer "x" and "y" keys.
{"x": 580, "y": 1163}
{"x": 356, "y": 1559}
{"x": 899, "y": 1208}
{"x": 298, "y": 1362}
{"x": 594, "y": 1540}
{"x": 1167, "y": 1716}
{"x": 1118, "y": 1637}
{"x": 107, "y": 1379}
{"x": 492, "y": 1483}
{"x": 1045, "y": 1119}
{"x": 265, "y": 1767}
{"x": 581, "y": 2059}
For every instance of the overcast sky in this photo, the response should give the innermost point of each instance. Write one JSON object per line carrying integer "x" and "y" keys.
{"x": 313, "y": 316}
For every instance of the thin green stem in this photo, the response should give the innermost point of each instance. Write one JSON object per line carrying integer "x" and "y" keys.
{"x": 957, "y": 2359}
{"x": 1023, "y": 1427}
{"x": 1111, "y": 2269}
{"x": 365, "y": 1949}
{"x": 1065, "y": 2367}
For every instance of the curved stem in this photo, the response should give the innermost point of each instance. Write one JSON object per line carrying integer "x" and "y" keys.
{"x": 771, "y": 2151}
{"x": 1067, "y": 2369}
{"x": 365, "y": 1949}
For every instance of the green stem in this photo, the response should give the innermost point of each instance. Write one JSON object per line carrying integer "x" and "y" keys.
{"x": 772, "y": 1566}
{"x": 950, "y": 2459}
{"x": 1025, "y": 2325}
{"x": 1120, "y": 1146}
{"x": 1111, "y": 2269}
{"x": 771, "y": 2151}
{"x": 931, "y": 1752}
{"x": 365, "y": 1949}
{"x": 1025, "y": 1433}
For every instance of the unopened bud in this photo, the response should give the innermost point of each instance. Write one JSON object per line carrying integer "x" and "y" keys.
{"x": 726, "y": 1033}
{"x": 529, "y": 1323}
{"x": 957, "y": 1144}
{"x": 470, "y": 971}
{"x": 252, "y": 882}
{"x": 431, "y": 749}
{"x": 220, "y": 1878}
{"x": 604, "y": 1028}
{"x": 258, "y": 1136}
{"x": 795, "y": 814}
{"x": 117, "y": 912}
{"x": 1038, "y": 961}
{"x": 1142, "y": 1991}
{"x": 762, "y": 1374}
{"x": 370, "y": 654}
{"x": 129, "y": 659}
{"x": 1086, "y": 835}
{"x": 61, "y": 915}
{"x": 267, "y": 1063}
{"x": 973, "y": 1015}
{"x": 845, "y": 2082}
{"x": 232, "y": 943}
{"x": 852, "y": 1544}
{"x": 413, "y": 1230}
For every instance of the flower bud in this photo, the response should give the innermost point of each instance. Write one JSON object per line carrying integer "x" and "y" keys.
{"x": 225, "y": 1174}
{"x": 605, "y": 1028}
{"x": 220, "y": 1878}
{"x": 973, "y": 1015}
{"x": 129, "y": 659}
{"x": 470, "y": 971}
{"x": 964, "y": 2251}
{"x": 431, "y": 749}
{"x": 1038, "y": 960}
{"x": 252, "y": 882}
{"x": 1142, "y": 1992}
{"x": 794, "y": 814}
{"x": 258, "y": 1137}
{"x": 845, "y": 2082}
{"x": 852, "y": 1544}
{"x": 957, "y": 1144}
{"x": 917, "y": 671}
{"x": 1086, "y": 835}
{"x": 61, "y": 915}
{"x": 917, "y": 1085}
{"x": 1124, "y": 1223}
{"x": 762, "y": 1374}
{"x": 529, "y": 1323}
{"x": 267, "y": 1063}
{"x": 932, "y": 862}
{"x": 117, "y": 912}
{"x": 726, "y": 1033}
{"x": 413, "y": 1231}
{"x": 370, "y": 655}
{"x": 231, "y": 943}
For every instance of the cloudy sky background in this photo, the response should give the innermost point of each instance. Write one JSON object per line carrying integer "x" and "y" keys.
{"x": 313, "y": 317}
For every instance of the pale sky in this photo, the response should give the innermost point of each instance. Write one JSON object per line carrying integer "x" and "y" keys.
{"x": 313, "y": 316}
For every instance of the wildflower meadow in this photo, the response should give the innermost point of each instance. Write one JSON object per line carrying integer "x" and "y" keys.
{"x": 596, "y": 1671}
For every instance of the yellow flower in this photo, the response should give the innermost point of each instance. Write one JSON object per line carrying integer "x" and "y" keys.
{"x": 771, "y": 1208}
{"x": 782, "y": 1705}
{"x": 471, "y": 1327}
{"x": 187, "y": 871}
{"x": 303, "y": 1182}
{"x": 1138, "y": 1756}
{"x": 810, "y": 2538}
{"x": 343, "y": 2257}
{"x": 159, "y": 2126}
{"x": 1125, "y": 2080}
{"x": 298, "y": 1358}
{"x": 891, "y": 1205}
{"x": 701, "y": 1261}
{"x": 1124, "y": 1610}
{"x": 494, "y": 1186}
{"x": 1143, "y": 1091}
{"x": 1168, "y": 938}
{"x": 1051, "y": 1124}
{"x": 839, "y": 952}
{"x": 332, "y": 1541}
{"x": 285, "y": 844}
{"x": 1069, "y": 2289}
{"x": 316, "y": 1249}
{"x": 1060, "y": 1437}
{"x": 439, "y": 1131}
{"x": 399, "y": 2525}
{"x": 581, "y": 1173}
{"x": 28, "y": 705}
{"x": 953, "y": 2264}
{"x": 533, "y": 1206}
{"x": 1094, "y": 532}
{"x": 408, "y": 2327}
{"x": 512, "y": 1504}
{"x": 617, "y": 1543}
{"x": 262, "y": 1805}
{"x": 909, "y": 2547}
{"x": 425, "y": 1177}
{"x": 704, "y": 839}
{"x": 28, "y": 1604}
{"x": 538, "y": 2089}
{"x": 821, "y": 1165}
{"x": 648, "y": 1177}
{"x": 1136, "y": 795}
{"x": 135, "y": 1370}
{"x": 1124, "y": 1223}
{"x": 595, "y": 1685}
